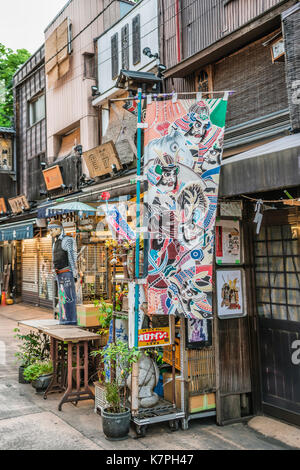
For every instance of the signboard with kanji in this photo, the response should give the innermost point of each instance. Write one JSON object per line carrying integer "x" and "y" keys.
{"x": 19, "y": 204}
{"x": 53, "y": 178}
{"x": 102, "y": 159}
{"x": 3, "y": 209}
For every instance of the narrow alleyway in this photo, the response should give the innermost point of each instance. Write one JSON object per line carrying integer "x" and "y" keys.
{"x": 27, "y": 421}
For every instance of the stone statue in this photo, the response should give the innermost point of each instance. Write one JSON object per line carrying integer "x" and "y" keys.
{"x": 64, "y": 254}
{"x": 148, "y": 379}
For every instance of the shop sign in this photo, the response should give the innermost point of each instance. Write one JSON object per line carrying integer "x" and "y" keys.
{"x": 18, "y": 204}
{"x": 53, "y": 178}
{"x": 5, "y": 154}
{"x": 3, "y": 209}
{"x": 228, "y": 242}
{"x": 102, "y": 160}
{"x": 154, "y": 337}
{"x": 231, "y": 209}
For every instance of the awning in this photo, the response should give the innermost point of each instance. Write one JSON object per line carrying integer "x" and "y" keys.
{"x": 16, "y": 232}
{"x": 271, "y": 166}
{"x": 66, "y": 208}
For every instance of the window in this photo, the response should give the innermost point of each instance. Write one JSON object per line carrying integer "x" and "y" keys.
{"x": 204, "y": 82}
{"x": 277, "y": 260}
{"x": 89, "y": 65}
{"x": 36, "y": 110}
{"x": 277, "y": 50}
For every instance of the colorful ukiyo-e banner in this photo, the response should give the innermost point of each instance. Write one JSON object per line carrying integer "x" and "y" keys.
{"x": 183, "y": 152}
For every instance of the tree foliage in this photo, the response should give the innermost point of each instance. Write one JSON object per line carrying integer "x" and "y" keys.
{"x": 10, "y": 61}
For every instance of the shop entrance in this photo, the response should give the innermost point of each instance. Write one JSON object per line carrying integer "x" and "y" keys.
{"x": 277, "y": 268}
{"x": 37, "y": 278}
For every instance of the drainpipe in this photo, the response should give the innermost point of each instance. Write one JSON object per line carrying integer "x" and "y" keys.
{"x": 178, "y": 37}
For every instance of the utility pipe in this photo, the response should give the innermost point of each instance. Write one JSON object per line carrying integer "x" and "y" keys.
{"x": 178, "y": 39}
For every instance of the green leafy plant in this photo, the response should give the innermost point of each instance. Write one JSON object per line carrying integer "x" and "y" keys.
{"x": 121, "y": 359}
{"x": 32, "y": 347}
{"x": 105, "y": 314}
{"x": 36, "y": 370}
{"x": 10, "y": 61}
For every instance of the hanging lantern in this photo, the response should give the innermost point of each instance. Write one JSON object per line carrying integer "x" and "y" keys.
{"x": 105, "y": 196}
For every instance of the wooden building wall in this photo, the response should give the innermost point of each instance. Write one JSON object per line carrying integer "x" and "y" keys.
{"x": 69, "y": 100}
{"x": 31, "y": 140}
{"x": 259, "y": 85}
{"x": 203, "y": 22}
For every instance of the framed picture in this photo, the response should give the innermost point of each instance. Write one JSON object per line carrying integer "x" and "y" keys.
{"x": 231, "y": 293}
{"x": 228, "y": 242}
{"x": 198, "y": 333}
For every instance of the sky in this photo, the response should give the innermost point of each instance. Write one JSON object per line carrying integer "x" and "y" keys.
{"x": 22, "y": 22}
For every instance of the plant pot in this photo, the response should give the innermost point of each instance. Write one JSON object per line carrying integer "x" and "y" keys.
{"x": 41, "y": 384}
{"x": 21, "y": 375}
{"x": 116, "y": 425}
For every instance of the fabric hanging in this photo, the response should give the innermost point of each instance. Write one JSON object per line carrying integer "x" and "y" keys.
{"x": 183, "y": 152}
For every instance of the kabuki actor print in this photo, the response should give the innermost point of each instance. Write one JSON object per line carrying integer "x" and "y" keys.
{"x": 183, "y": 152}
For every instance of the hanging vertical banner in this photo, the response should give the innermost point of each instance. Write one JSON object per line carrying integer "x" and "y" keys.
{"x": 183, "y": 152}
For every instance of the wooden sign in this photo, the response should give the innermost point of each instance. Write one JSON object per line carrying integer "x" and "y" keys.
{"x": 53, "y": 178}
{"x": 154, "y": 337}
{"x": 100, "y": 159}
{"x": 18, "y": 204}
{"x": 3, "y": 209}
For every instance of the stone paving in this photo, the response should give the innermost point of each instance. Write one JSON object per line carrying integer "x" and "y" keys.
{"x": 27, "y": 421}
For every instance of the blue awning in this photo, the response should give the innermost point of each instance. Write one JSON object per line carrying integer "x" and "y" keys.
{"x": 16, "y": 232}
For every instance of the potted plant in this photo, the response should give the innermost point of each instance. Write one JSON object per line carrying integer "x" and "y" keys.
{"x": 116, "y": 415}
{"x": 39, "y": 374}
{"x": 32, "y": 347}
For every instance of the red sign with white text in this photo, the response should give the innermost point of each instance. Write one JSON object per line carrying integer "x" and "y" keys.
{"x": 154, "y": 337}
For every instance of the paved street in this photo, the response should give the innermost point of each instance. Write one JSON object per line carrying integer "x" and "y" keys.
{"x": 27, "y": 421}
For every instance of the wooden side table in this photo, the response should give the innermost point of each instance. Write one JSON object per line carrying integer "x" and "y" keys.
{"x": 77, "y": 341}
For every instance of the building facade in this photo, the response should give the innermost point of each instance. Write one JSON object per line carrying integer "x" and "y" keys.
{"x": 249, "y": 48}
{"x": 71, "y": 72}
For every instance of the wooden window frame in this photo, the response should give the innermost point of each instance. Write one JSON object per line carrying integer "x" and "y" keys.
{"x": 30, "y": 103}
{"x": 280, "y": 57}
{"x": 209, "y": 70}
{"x": 86, "y": 57}
{"x": 268, "y": 271}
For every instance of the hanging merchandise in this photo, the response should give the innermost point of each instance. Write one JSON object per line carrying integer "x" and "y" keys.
{"x": 183, "y": 152}
{"x": 117, "y": 222}
{"x": 258, "y": 215}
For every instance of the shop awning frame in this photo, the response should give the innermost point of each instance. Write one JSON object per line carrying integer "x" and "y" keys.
{"x": 271, "y": 166}
{"x": 17, "y": 231}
